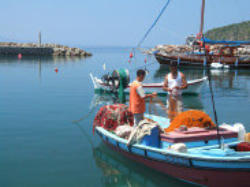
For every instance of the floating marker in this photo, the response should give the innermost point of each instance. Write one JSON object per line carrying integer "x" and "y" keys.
{"x": 19, "y": 56}
{"x": 131, "y": 55}
{"x": 104, "y": 66}
{"x": 145, "y": 60}
{"x": 56, "y": 70}
{"x": 129, "y": 61}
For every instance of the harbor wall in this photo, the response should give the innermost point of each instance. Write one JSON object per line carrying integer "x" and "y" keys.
{"x": 31, "y": 49}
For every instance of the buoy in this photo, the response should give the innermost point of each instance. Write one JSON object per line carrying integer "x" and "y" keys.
{"x": 145, "y": 60}
{"x": 19, "y": 56}
{"x": 131, "y": 55}
{"x": 56, "y": 70}
{"x": 129, "y": 61}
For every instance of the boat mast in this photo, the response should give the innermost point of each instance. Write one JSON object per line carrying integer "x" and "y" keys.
{"x": 202, "y": 16}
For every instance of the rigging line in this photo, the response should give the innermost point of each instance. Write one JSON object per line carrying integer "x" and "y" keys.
{"x": 154, "y": 23}
{"x": 212, "y": 97}
{"x": 139, "y": 67}
{"x": 85, "y": 116}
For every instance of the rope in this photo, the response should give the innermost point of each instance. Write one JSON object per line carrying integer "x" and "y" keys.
{"x": 85, "y": 116}
{"x": 154, "y": 23}
{"x": 139, "y": 67}
{"x": 212, "y": 98}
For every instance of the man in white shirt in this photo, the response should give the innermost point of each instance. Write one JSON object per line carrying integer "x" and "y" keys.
{"x": 174, "y": 83}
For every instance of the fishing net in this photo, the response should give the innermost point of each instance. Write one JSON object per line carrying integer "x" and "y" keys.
{"x": 111, "y": 116}
{"x": 191, "y": 118}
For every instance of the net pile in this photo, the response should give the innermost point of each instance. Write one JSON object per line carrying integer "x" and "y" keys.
{"x": 191, "y": 118}
{"x": 111, "y": 116}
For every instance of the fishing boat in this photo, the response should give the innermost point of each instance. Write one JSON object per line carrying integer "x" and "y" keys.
{"x": 204, "y": 162}
{"x": 194, "y": 86}
{"x": 211, "y": 60}
{"x": 225, "y": 55}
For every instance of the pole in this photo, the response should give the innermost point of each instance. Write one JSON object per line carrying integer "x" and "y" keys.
{"x": 39, "y": 38}
{"x": 202, "y": 16}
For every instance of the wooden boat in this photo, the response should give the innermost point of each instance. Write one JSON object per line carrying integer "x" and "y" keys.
{"x": 204, "y": 163}
{"x": 204, "y": 58}
{"x": 194, "y": 86}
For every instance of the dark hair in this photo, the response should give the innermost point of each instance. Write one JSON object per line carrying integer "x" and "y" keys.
{"x": 173, "y": 63}
{"x": 140, "y": 72}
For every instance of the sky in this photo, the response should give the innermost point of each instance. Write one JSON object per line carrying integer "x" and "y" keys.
{"x": 113, "y": 22}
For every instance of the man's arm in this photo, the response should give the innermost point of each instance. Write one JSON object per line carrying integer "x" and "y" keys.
{"x": 142, "y": 94}
{"x": 165, "y": 84}
{"x": 184, "y": 82}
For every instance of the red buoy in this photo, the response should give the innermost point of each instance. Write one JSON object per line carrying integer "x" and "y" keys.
{"x": 56, "y": 70}
{"x": 145, "y": 60}
{"x": 19, "y": 56}
{"x": 131, "y": 55}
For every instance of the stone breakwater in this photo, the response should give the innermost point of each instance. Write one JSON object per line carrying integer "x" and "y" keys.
{"x": 33, "y": 49}
{"x": 179, "y": 49}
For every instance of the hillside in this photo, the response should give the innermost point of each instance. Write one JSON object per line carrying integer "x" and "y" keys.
{"x": 238, "y": 31}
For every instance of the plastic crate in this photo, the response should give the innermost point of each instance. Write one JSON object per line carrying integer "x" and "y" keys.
{"x": 153, "y": 139}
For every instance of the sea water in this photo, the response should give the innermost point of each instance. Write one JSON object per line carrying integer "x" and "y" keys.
{"x": 42, "y": 146}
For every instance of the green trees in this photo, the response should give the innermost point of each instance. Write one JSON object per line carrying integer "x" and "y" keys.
{"x": 238, "y": 31}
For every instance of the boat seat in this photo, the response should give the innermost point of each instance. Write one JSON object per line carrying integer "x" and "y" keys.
{"x": 196, "y": 137}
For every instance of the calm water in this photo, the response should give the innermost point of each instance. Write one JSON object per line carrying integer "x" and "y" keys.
{"x": 40, "y": 146}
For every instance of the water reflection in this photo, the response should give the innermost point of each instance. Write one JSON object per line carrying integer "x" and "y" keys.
{"x": 120, "y": 171}
{"x": 43, "y": 59}
{"x": 189, "y": 102}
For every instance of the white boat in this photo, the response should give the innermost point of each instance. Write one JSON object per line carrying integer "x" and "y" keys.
{"x": 194, "y": 86}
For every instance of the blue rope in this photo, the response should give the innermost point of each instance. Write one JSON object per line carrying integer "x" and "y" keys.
{"x": 154, "y": 23}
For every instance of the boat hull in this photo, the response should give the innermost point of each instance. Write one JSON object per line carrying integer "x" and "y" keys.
{"x": 193, "y": 167}
{"x": 198, "y": 61}
{"x": 207, "y": 177}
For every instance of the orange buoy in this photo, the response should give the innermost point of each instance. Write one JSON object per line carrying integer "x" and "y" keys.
{"x": 56, "y": 70}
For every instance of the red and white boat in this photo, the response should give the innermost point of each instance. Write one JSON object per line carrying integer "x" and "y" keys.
{"x": 194, "y": 86}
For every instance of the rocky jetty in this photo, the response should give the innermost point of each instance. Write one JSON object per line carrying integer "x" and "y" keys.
{"x": 34, "y": 49}
{"x": 180, "y": 49}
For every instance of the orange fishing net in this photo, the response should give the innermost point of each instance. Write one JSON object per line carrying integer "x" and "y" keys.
{"x": 191, "y": 118}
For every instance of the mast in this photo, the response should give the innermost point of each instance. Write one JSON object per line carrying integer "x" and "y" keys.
{"x": 202, "y": 16}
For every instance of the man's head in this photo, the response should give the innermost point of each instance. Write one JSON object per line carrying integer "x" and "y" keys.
{"x": 173, "y": 67}
{"x": 140, "y": 75}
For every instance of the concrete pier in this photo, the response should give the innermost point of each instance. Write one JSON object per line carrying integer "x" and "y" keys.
{"x": 33, "y": 49}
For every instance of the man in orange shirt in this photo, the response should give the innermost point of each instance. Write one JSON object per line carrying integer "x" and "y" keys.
{"x": 137, "y": 97}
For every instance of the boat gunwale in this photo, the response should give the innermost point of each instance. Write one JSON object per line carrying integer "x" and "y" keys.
{"x": 166, "y": 152}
